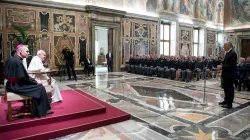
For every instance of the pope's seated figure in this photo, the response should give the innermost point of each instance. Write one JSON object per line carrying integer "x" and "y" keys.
{"x": 36, "y": 65}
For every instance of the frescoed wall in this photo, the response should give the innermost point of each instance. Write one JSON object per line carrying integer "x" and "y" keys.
{"x": 200, "y": 9}
{"x": 185, "y": 7}
{"x": 240, "y": 12}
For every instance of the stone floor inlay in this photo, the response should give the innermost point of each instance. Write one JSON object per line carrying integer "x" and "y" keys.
{"x": 164, "y": 109}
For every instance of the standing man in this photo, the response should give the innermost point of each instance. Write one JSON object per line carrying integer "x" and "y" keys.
{"x": 109, "y": 58}
{"x": 36, "y": 64}
{"x": 21, "y": 83}
{"x": 69, "y": 58}
{"x": 228, "y": 75}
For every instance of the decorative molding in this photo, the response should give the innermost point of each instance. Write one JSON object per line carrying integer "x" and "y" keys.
{"x": 143, "y": 17}
{"x": 97, "y": 10}
{"x": 168, "y": 15}
{"x": 48, "y": 4}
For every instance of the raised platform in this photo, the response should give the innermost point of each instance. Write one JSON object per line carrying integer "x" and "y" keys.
{"x": 78, "y": 112}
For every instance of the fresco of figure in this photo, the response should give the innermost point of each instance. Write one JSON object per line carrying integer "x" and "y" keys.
{"x": 210, "y": 10}
{"x": 184, "y": 7}
{"x": 220, "y": 13}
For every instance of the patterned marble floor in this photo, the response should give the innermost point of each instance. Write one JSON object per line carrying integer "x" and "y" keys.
{"x": 164, "y": 109}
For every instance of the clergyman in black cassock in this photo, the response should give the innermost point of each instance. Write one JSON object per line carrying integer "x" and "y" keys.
{"x": 20, "y": 82}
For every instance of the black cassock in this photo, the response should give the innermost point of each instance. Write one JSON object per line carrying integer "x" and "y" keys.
{"x": 20, "y": 82}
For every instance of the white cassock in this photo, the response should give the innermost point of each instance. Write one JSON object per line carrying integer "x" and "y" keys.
{"x": 36, "y": 64}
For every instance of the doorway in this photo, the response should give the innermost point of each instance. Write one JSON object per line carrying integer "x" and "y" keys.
{"x": 103, "y": 42}
{"x": 245, "y": 51}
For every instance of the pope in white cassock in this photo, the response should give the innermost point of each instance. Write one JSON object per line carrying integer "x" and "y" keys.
{"x": 36, "y": 64}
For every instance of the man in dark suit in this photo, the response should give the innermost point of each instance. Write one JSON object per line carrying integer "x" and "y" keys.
{"x": 109, "y": 58}
{"x": 69, "y": 58}
{"x": 89, "y": 66}
{"x": 229, "y": 66}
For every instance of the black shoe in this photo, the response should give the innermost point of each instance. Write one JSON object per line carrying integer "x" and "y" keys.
{"x": 227, "y": 106}
{"x": 49, "y": 112}
{"x": 222, "y": 103}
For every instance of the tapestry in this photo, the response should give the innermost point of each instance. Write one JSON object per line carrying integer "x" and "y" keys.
{"x": 64, "y": 23}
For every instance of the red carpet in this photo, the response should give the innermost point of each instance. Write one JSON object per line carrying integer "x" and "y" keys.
{"x": 45, "y": 128}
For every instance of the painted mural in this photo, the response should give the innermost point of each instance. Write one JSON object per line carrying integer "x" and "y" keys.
{"x": 151, "y": 6}
{"x": 220, "y": 13}
{"x": 20, "y": 17}
{"x": 210, "y": 10}
{"x": 64, "y": 23}
{"x": 200, "y": 9}
{"x": 185, "y": 7}
{"x": 240, "y": 11}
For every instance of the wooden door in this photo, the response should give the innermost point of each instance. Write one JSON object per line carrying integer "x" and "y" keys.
{"x": 245, "y": 51}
